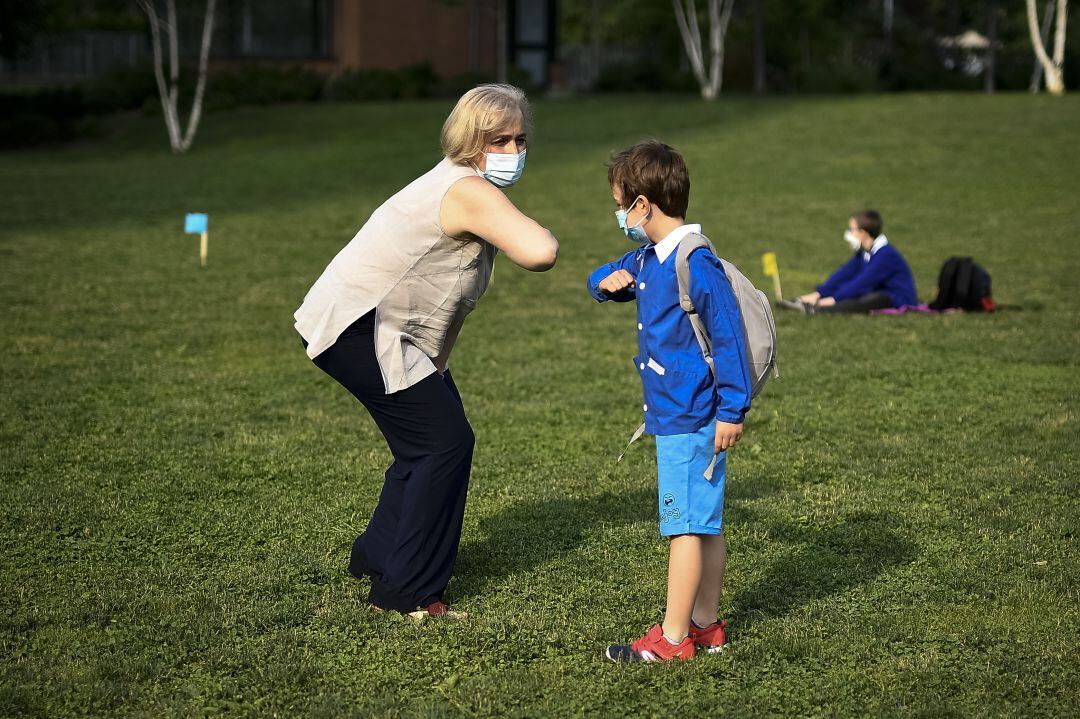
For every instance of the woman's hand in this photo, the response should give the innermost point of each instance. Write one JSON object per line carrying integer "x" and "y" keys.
{"x": 616, "y": 282}
{"x": 474, "y": 206}
{"x": 826, "y": 302}
{"x": 810, "y": 299}
{"x": 727, "y": 435}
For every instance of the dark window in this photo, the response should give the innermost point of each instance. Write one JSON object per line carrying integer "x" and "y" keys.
{"x": 284, "y": 29}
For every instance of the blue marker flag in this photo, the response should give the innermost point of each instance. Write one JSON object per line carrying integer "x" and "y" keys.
{"x": 195, "y": 223}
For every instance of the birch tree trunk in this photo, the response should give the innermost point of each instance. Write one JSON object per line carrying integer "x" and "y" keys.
{"x": 1052, "y": 66}
{"x": 169, "y": 92}
{"x": 709, "y": 80}
{"x": 1037, "y": 70}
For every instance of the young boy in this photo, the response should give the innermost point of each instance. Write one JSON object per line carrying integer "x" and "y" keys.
{"x": 695, "y": 418}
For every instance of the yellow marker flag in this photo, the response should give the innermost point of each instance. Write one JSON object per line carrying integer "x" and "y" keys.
{"x": 768, "y": 264}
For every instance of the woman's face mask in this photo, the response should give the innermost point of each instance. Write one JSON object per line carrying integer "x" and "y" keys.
{"x": 504, "y": 169}
{"x": 636, "y": 233}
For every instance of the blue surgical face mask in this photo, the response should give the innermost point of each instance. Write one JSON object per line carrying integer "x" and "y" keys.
{"x": 637, "y": 232}
{"x": 504, "y": 169}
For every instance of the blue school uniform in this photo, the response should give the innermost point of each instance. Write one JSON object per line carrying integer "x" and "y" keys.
{"x": 682, "y": 401}
{"x": 882, "y": 269}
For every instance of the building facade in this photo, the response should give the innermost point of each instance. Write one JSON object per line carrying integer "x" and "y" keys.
{"x": 455, "y": 37}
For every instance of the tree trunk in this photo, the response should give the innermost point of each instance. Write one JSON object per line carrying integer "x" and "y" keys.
{"x": 168, "y": 108}
{"x": 888, "y": 10}
{"x": 989, "y": 79}
{"x": 759, "y": 47}
{"x": 710, "y": 80}
{"x": 169, "y": 92}
{"x": 200, "y": 87}
{"x": 804, "y": 46}
{"x": 595, "y": 38}
{"x": 502, "y": 42}
{"x": 473, "y": 58}
{"x": 1037, "y": 68}
{"x": 1052, "y": 67}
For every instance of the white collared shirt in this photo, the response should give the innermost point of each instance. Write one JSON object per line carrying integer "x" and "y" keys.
{"x": 667, "y": 245}
{"x": 880, "y": 242}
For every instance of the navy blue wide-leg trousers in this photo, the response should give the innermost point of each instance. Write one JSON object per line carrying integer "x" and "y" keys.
{"x": 409, "y": 546}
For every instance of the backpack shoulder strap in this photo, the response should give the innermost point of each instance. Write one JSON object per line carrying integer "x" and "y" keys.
{"x": 693, "y": 241}
{"x": 687, "y": 245}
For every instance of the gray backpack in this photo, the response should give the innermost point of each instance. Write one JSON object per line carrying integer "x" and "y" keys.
{"x": 757, "y": 318}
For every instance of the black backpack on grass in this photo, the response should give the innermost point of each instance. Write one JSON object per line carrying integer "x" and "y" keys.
{"x": 963, "y": 284}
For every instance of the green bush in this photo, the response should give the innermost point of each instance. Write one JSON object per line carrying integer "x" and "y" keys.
{"x": 416, "y": 81}
{"x": 126, "y": 88}
{"x": 839, "y": 77}
{"x": 42, "y": 117}
{"x": 255, "y": 85}
{"x": 458, "y": 85}
{"x": 644, "y": 76}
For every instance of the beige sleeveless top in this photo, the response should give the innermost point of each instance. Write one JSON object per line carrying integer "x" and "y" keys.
{"x": 420, "y": 281}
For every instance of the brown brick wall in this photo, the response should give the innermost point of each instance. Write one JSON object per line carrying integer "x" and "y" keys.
{"x": 392, "y": 34}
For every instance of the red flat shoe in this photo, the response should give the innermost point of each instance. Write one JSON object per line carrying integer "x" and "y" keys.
{"x": 436, "y": 610}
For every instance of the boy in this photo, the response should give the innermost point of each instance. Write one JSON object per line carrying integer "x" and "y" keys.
{"x": 695, "y": 418}
{"x": 875, "y": 278}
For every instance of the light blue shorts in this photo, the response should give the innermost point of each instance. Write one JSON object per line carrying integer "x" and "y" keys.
{"x": 689, "y": 503}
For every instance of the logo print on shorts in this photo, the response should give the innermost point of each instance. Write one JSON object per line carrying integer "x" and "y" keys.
{"x": 669, "y": 499}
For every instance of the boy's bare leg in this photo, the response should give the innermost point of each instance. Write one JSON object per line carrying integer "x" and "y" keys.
{"x": 713, "y": 562}
{"x": 684, "y": 580}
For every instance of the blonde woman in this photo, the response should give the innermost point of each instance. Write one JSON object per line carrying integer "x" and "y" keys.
{"x": 382, "y": 321}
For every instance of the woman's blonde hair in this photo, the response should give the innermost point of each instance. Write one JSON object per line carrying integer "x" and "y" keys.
{"x": 478, "y": 116}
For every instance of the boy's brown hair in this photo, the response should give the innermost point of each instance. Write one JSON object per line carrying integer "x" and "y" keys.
{"x": 869, "y": 221}
{"x": 655, "y": 170}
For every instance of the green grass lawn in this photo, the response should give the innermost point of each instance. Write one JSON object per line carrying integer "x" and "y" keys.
{"x": 180, "y": 486}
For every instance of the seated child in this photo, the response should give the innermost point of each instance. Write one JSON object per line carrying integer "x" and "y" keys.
{"x": 694, "y": 418}
{"x": 875, "y": 278}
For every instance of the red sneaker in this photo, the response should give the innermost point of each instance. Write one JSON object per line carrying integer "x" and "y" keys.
{"x": 653, "y": 647}
{"x": 712, "y": 638}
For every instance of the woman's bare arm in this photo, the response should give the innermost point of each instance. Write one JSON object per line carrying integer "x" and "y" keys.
{"x": 475, "y": 206}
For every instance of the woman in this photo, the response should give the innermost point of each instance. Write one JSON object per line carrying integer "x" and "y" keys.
{"x": 875, "y": 278}
{"x": 382, "y": 321}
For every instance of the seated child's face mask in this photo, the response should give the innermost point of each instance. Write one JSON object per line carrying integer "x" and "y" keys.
{"x": 852, "y": 240}
{"x": 637, "y": 232}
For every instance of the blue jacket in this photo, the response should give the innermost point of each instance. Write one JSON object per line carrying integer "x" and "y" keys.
{"x": 883, "y": 271}
{"x": 680, "y": 395}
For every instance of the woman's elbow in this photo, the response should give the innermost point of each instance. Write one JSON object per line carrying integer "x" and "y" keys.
{"x": 544, "y": 254}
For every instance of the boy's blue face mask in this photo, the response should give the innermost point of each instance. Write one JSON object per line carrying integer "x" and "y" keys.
{"x": 637, "y": 232}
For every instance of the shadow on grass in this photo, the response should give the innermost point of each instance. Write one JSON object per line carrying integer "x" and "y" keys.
{"x": 826, "y": 562}
{"x": 530, "y": 534}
